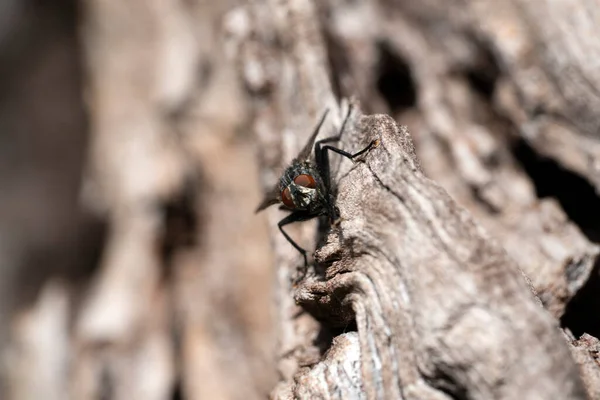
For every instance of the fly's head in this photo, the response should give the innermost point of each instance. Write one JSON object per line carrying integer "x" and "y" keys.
{"x": 301, "y": 188}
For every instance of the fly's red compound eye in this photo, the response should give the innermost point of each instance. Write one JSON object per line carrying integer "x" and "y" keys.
{"x": 286, "y": 197}
{"x": 305, "y": 180}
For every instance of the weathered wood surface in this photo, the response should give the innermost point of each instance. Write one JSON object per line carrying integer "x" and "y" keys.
{"x": 157, "y": 280}
{"x": 585, "y": 351}
{"x": 467, "y": 62}
{"x": 478, "y": 168}
{"x": 441, "y": 310}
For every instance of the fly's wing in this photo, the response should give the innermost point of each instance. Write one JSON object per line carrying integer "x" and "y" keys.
{"x": 307, "y": 150}
{"x": 271, "y": 197}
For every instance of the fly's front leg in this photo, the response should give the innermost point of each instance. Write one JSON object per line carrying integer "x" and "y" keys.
{"x": 373, "y": 144}
{"x": 333, "y": 211}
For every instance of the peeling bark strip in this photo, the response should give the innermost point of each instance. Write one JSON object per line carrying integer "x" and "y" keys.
{"x": 441, "y": 310}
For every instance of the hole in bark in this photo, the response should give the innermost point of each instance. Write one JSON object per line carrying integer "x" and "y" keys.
{"x": 581, "y": 313}
{"x": 484, "y": 74}
{"x": 177, "y": 391}
{"x": 180, "y": 221}
{"x": 349, "y": 327}
{"x": 324, "y": 339}
{"x": 445, "y": 381}
{"x": 581, "y": 204}
{"x": 574, "y": 193}
{"x": 335, "y": 316}
{"x": 395, "y": 81}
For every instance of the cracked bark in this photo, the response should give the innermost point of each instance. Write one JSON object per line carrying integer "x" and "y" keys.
{"x": 441, "y": 310}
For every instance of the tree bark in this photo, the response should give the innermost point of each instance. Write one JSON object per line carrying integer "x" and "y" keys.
{"x": 464, "y": 266}
{"x": 437, "y": 302}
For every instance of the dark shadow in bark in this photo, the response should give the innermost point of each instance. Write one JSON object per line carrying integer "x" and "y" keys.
{"x": 576, "y": 195}
{"x": 581, "y": 203}
{"x": 324, "y": 339}
{"x": 395, "y": 81}
{"x": 483, "y": 75}
{"x": 180, "y": 221}
{"x": 581, "y": 314}
{"x": 177, "y": 391}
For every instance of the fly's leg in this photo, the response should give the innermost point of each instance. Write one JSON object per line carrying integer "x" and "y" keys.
{"x": 371, "y": 145}
{"x": 296, "y": 217}
{"x": 333, "y": 213}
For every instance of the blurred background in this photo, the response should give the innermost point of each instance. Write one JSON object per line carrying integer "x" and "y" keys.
{"x": 129, "y": 249}
{"x": 131, "y": 262}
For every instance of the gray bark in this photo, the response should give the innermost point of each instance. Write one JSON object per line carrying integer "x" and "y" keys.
{"x": 132, "y": 265}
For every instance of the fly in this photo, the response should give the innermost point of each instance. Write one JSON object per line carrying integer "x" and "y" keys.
{"x": 304, "y": 188}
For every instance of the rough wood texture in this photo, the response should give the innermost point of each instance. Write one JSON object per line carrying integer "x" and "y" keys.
{"x": 441, "y": 310}
{"x": 281, "y": 59}
{"x": 147, "y": 275}
{"x": 445, "y": 295}
{"x": 462, "y": 77}
{"x": 585, "y": 351}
